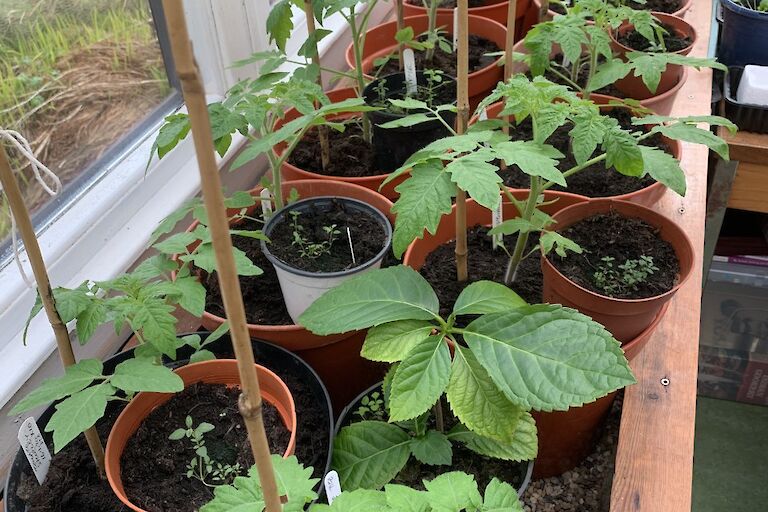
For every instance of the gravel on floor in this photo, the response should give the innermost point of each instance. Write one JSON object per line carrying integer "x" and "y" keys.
{"x": 585, "y": 488}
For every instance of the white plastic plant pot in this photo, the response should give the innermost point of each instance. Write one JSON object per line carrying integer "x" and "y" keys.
{"x": 753, "y": 87}
{"x": 300, "y": 287}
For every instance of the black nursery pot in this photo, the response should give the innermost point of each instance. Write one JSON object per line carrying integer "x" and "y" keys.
{"x": 277, "y": 359}
{"x": 393, "y": 146}
{"x": 346, "y": 419}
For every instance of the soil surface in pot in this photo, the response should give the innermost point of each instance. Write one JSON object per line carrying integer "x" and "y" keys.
{"x": 72, "y": 483}
{"x": 673, "y": 42}
{"x": 667, "y": 6}
{"x": 351, "y": 155}
{"x": 594, "y": 181}
{"x": 446, "y": 61}
{"x": 263, "y": 299}
{"x": 625, "y": 240}
{"x": 154, "y": 468}
{"x": 329, "y": 227}
{"x": 485, "y": 263}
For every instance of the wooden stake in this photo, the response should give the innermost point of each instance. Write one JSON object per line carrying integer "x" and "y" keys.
{"x": 399, "y": 15}
{"x": 322, "y": 131}
{"x": 462, "y": 119}
{"x": 194, "y": 96}
{"x": 27, "y": 231}
{"x": 544, "y": 10}
{"x": 509, "y": 60}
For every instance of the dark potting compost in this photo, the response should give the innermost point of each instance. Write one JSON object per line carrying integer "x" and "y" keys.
{"x": 479, "y": 47}
{"x": 667, "y": 6}
{"x": 595, "y": 180}
{"x": 318, "y": 225}
{"x": 261, "y": 294}
{"x": 673, "y": 42}
{"x": 351, "y": 155}
{"x": 72, "y": 483}
{"x": 623, "y": 239}
{"x": 154, "y": 468}
{"x": 485, "y": 263}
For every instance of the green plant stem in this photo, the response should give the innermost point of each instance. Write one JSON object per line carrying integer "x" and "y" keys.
{"x": 431, "y": 29}
{"x": 439, "y": 420}
{"x": 357, "y": 50}
{"x": 522, "y": 238}
{"x": 565, "y": 78}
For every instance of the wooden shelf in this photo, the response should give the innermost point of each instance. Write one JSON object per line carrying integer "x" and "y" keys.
{"x": 654, "y": 461}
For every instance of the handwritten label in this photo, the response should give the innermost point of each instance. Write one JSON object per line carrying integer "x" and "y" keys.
{"x": 483, "y": 115}
{"x": 497, "y": 218}
{"x": 266, "y": 203}
{"x": 332, "y": 486}
{"x": 35, "y": 449}
{"x": 455, "y": 29}
{"x": 409, "y": 67}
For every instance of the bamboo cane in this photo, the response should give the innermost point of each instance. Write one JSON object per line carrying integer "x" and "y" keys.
{"x": 462, "y": 118}
{"x": 194, "y": 96}
{"x": 543, "y": 10}
{"x": 509, "y": 60}
{"x": 27, "y": 231}
{"x": 322, "y": 131}
{"x": 399, "y": 16}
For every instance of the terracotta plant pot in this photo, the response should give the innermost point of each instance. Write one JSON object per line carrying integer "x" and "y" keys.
{"x": 336, "y": 358}
{"x": 291, "y": 173}
{"x": 219, "y": 371}
{"x": 495, "y": 10}
{"x": 672, "y": 78}
{"x": 380, "y": 41}
{"x": 532, "y": 16}
{"x": 647, "y": 196}
{"x": 624, "y": 318}
{"x": 477, "y": 215}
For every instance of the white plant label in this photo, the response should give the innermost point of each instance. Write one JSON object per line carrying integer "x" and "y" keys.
{"x": 496, "y": 219}
{"x": 332, "y": 486}
{"x": 266, "y": 203}
{"x": 483, "y": 115}
{"x": 35, "y": 449}
{"x": 455, "y": 29}
{"x": 409, "y": 67}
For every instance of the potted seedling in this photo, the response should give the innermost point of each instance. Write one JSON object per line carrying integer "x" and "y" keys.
{"x": 433, "y": 48}
{"x": 674, "y": 7}
{"x": 492, "y": 371}
{"x": 450, "y": 492}
{"x": 576, "y": 53}
{"x": 492, "y": 9}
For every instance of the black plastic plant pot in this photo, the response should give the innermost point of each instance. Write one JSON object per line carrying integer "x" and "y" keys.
{"x": 525, "y": 468}
{"x": 300, "y": 287}
{"x": 393, "y": 146}
{"x": 750, "y": 118}
{"x": 306, "y": 387}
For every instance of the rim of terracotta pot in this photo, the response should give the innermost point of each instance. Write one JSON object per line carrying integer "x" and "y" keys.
{"x": 218, "y": 371}
{"x": 648, "y": 215}
{"x": 335, "y": 95}
{"x": 633, "y": 347}
{"x": 293, "y": 336}
{"x": 686, "y": 29}
{"x": 647, "y": 195}
{"x": 473, "y": 19}
{"x": 679, "y": 13}
{"x": 483, "y": 10}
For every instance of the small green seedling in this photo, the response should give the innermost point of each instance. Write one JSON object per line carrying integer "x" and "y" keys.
{"x": 627, "y": 276}
{"x": 201, "y": 466}
{"x": 308, "y": 248}
{"x": 371, "y": 407}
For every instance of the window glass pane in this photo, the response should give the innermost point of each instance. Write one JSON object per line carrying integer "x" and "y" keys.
{"x": 76, "y": 78}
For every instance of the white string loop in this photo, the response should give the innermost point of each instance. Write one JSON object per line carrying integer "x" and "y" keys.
{"x": 41, "y": 172}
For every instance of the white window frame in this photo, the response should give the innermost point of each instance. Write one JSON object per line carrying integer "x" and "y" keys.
{"x": 107, "y": 229}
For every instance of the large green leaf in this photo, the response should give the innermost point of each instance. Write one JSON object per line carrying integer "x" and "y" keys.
{"x": 374, "y": 298}
{"x": 404, "y": 499}
{"x": 89, "y": 319}
{"x": 71, "y": 302}
{"x": 359, "y": 500}
{"x": 664, "y": 168}
{"x": 532, "y": 158}
{"x": 432, "y": 448}
{"x": 424, "y": 198}
{"x": 607, "y": 73}
{"x": 501, "y": 497}
{"x": 484, "y": 297}
{"x": 691, "y": 133}
{"x": 76, "y": 377}
{"x": 280, "y": 23}
{"x": 452, "y": 492}
{"x": 622, "y": 152}
{"x": 156, "y": 321}
{"x": 478, "y": 402}
{"x": 547, "y": 357}
{"x": 191, "y": 295}
{"x": 524, "y": 447}
{"x": 78, "y": 413}
{"x": 142, "y": 374}
{"x": 420, "y": 379}
{"x": 587, "y": 132}
{"x": 478, "y": 178}
{"x": 392, "y": 341}
{"x": 369, "y": 454}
